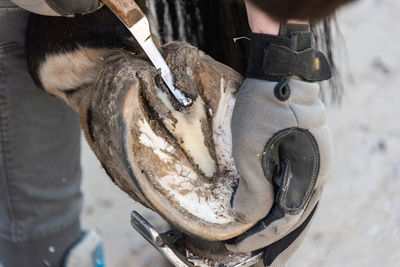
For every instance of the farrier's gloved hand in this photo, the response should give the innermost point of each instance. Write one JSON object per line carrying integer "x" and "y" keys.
{"x": 59, "y": 7}
{"x": 281, "y": 144}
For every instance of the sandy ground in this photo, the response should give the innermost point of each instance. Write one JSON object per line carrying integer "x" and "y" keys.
{"x": 358, "y": 223}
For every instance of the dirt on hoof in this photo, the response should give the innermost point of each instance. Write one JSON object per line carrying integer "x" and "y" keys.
{"x": 174, "y": 160}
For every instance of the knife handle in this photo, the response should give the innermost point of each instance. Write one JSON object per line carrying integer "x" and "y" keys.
{"x": 126, "y": 10}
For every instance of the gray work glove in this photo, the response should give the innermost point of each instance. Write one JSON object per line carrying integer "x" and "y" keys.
{"x": 281, "y": 144}
{"x": 59, "y": 7}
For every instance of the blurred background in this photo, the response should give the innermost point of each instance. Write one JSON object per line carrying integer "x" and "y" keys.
{"x": 358, "y": 223}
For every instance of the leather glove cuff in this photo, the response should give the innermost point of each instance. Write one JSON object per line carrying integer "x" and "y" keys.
{"x": 274, "y": 58}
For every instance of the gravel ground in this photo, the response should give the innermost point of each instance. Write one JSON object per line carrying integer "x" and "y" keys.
{"x": 358, "y": 223}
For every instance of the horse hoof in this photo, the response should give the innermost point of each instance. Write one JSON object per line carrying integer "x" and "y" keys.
{"x": 175, "y": 160}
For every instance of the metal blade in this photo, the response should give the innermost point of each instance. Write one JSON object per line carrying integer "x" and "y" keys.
{"x": 142, "y": 226}
{"x": 141, "y": 31}
{"x": 153, "y": 237}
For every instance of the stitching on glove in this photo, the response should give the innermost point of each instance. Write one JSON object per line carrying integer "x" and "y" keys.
{"x": 294, "y": 114}
{"x": 269, "y": 148}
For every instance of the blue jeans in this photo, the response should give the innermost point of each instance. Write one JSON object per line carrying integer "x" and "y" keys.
{"x": 40, "y": 174}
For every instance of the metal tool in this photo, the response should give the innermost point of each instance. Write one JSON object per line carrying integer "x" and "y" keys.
{"x": 165, "y": 246}
{"x": 137, "y": 23}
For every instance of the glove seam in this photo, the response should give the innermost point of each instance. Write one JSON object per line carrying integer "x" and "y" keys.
{"x": 294, "y": 114}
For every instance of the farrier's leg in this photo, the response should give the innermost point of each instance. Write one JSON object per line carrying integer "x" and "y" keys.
{"x": 40, "y": 198}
